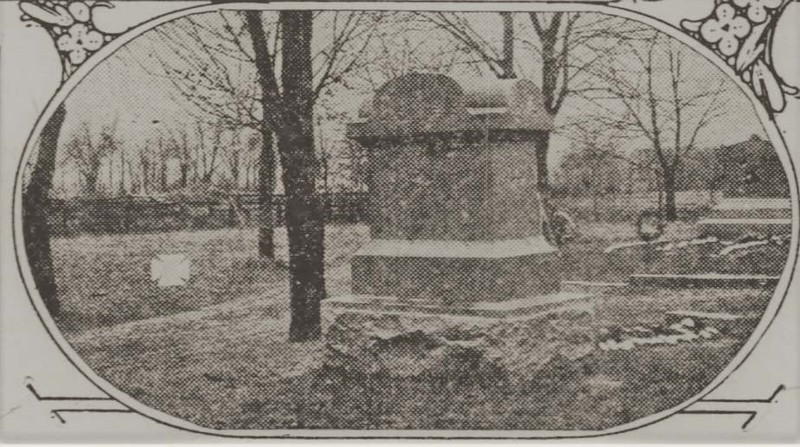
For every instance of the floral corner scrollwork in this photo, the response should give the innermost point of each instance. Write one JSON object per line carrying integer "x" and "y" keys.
{"x": 742, "y": 32}
{"x": 70, "y": 23}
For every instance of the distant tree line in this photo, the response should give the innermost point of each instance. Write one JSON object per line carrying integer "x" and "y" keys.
{"x": 144, "y": 214}
{"x": 196, "y": 160}
{"x": 750, "y": 168}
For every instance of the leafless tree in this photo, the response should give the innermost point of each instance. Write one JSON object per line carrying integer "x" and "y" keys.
{"x": 653, "y": 90}
{"x": 260, "y": 70}
{"x": 472, "y": 42}
{"x": 565, "y": 43}
{"x": 88, "y": 151}
{"x": 214, "y": 62}
{"x": 180, "y": 148}
{"x": 594, "y": 165}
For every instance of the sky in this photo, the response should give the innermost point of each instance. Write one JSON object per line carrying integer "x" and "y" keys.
{"x": 143, "y": 105}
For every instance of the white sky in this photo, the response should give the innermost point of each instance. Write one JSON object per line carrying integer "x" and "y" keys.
{"x": 114, "y": 91}
{"x": 119, "y": 88}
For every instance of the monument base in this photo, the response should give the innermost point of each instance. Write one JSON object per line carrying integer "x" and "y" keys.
{"x": 408, "y": 338}
{"x": 457, "y": 272}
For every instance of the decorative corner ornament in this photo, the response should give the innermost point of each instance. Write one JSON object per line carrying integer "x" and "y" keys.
{"x": 742, "y": 32}
{"x": 70, "y": 24}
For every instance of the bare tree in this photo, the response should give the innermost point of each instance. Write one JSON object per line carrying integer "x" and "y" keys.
{"x": 180, "y": 148}
{"x": 234, "y": 154}
{"x": 226, "y": 66}
{"x": 593, "y": 168}
{"x": 500, "y": 62}
{"x": 206, "y": 151}
{"x": 554, "y": 40}
{"x": 88, "y": 151}
{"x": 163, "y": 159}
{"x": 565, "y": 47}
{"x": 144, "y": 156}
{"x": 213, "y": 61}
{"x": 653, "y": 90}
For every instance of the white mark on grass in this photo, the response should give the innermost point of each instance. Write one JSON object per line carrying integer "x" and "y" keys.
{"x": 735, "y": 247}
{"x": 708, "y": 240}
{"x": 170, "y": 269}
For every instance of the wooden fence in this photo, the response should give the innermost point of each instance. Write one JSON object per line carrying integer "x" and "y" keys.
{"x": 140, "y": 214}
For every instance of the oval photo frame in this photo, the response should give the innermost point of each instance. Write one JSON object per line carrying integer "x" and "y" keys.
{"x": 65, "y": 90}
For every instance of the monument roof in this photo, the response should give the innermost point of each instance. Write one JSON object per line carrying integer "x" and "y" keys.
{"x": 423, "y": 103}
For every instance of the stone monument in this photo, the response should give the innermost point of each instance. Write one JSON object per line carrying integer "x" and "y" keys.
{"x": 456, "y": 224}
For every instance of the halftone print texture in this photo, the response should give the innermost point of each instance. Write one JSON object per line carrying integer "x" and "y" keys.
{"x": 391, "y": 220}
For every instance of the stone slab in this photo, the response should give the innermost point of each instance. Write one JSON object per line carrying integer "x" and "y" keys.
{"x": 589, "y": 286}
{"x": 733, "y": 228}
{"x": 535, "y": 305}
{"x": 748, "y": 203}
{"x": 495, "y": 249}
{"x": 711, "y": 280}
{"x": 751, "y": 213}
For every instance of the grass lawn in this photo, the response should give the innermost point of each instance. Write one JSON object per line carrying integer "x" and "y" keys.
{"x": 215, "y": 352}
{"x": 105, "y": 280}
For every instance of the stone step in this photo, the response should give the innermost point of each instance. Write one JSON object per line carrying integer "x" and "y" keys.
{"x": 493, "y": 310}
{"x": 590, "y": 286}
{"x": 710, "y": 280}
{"x": 754, "y": 202}
{"x": 750, "y": 213}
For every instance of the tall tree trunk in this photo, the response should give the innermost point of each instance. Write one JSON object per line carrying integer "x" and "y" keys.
{"x": 542, "y": 171}
{"x": 154, "y": 176}
{"x": 304, "y": 217}
{"x": 145, "y": 176}
{"x": 195, "y": 163}
{"x": 507, "y": 64}
{"x": 294, "y": 128}
{"x": 266, "y": 168}
{"x": 121, "y": 173}
{"x": 184, "y": 181}
{"x": 554, "y": 63}
{"x": 35, "y": 210}
{"x": 670, "y": 210}
{"x": 266, "y": 187}
{"x": 551, "y": 69}
{"x": 305, "y": 228}
{"x": 91, "y": 176}
{"x": 235, "y": 171}
{"x": 162, "y": 174}
{"x": 132, "y": 178}
{"x": 110, "y": 190}
{"x": 247, "y": 175}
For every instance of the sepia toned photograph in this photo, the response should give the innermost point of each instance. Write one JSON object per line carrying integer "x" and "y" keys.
{"x": 557, "y": 220}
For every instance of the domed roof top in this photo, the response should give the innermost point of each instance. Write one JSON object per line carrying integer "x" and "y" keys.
{"x": 419, "y": 103}
{"x": 480, "y": 94}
